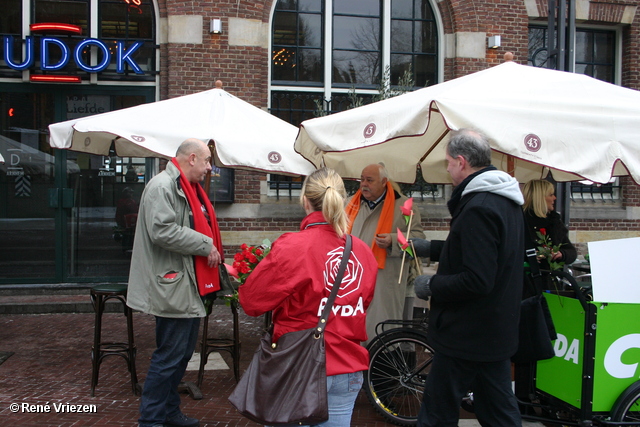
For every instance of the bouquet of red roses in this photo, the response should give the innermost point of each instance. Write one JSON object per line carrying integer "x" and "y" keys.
{"x": 245, "y": 261}
{"x": 248, "y": 258}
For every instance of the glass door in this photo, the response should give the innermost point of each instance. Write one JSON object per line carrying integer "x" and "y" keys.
{"x": 64, "y": 215}
{"x": 106, "y": 192}
{"x": 27, "y": 180}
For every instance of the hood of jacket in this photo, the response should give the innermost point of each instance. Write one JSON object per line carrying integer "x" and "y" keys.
{"x": 497, "y": 182}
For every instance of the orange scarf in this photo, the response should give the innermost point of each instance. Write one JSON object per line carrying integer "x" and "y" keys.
{"x": 385, "y": 222}
{"x": 208, "y": 278}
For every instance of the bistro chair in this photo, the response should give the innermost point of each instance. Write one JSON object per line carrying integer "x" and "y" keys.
{"x": 100, "y": 294}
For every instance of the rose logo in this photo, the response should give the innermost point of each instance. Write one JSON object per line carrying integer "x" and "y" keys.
{"x": 532, "y": 142}
{"x": 137, "y": 138}
{"x": 352, "y": 274}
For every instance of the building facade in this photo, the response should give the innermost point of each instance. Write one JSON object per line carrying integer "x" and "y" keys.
{"x": 67, "y": 217}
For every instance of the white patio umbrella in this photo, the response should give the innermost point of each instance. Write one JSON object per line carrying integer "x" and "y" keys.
{"x": 244, "y": 136}
{"x": 538, "y": 121}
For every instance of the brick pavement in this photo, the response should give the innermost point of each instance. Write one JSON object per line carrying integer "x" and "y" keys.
{"x": 52, "y": 366}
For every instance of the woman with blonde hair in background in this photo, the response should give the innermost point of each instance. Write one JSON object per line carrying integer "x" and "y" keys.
{"x": 539, "y": 212}
{"x": 293, "y": 281}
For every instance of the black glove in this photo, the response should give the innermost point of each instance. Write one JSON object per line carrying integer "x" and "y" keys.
{"x": 422, "y": 247}
{"x": 423, "y": 290}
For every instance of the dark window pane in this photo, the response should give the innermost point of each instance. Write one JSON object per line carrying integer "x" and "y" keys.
{"x": 401, "y": 32}
{"x": 537, "y": 47}
{"x": 425, "y": 70}
{"x": 357, "y": 7}
{"x": 284, "y": 63}
{"x": 11, "y": 17}
{"x": 310, "y": 5}
{"x": 120, "y": 20}
{"x": 294, "y": 107}
{"x": 69, "y": 12}
{"x": 425, "y": 37}
{"x": 287, "y": 5}
{"x": 310, "y": 30}
{"x": 284, "y": 28}
{"x": 352, "y": 67}
{"x": 584, "y": 46}
{"x": 310, "y": 65}
{"x": 423, "y": 10}
{"x": 603, "y": 47}
{"x": 603, "y": 72}
{"x": 581, "y": 69}
{"x": 402, "y": 9}
{"x": 356, "y": 33}
{"x": 399, "y": 64}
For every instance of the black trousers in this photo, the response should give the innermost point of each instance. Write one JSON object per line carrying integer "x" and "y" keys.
{"x": 450, "y": 379}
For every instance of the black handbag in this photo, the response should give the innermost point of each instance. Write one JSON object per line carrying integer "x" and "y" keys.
{"x": 534, "y": 341}
{"x": 536, "y": 329}
{"x": 286, "y": 382}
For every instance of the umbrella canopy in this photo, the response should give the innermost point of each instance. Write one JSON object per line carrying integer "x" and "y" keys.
{"x": 244, "y": 136}
{"x": 538, "y": 121}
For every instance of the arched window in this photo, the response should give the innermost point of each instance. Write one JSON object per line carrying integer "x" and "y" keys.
{"x": 327, "y": 52}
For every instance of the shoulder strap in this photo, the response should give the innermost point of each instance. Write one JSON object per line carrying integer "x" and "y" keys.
{"x": 322, "y": 323}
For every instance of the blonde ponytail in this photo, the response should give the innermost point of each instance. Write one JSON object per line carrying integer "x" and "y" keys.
{"x": 325, "y": 192}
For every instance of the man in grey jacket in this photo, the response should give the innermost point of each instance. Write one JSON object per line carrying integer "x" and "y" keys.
{"x": 475, "y": 294}
{"x": 165, "y": 273}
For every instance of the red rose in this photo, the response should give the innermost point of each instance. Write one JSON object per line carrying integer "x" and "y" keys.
{"x": 244, "y": 268}
{"x": 543, "y": 231}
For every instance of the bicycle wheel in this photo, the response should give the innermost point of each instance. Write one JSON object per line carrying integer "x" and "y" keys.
{"x": 399, "y": 363}
{"x": 627, "y": 406}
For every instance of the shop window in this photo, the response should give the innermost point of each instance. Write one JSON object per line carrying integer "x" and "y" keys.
{"x": 120, "y": 45}
{"x": 595, "y": 52}
{"x": 221, "y": 189}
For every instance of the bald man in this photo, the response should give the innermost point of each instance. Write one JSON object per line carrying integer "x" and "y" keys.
{"x": 176, "y": 253}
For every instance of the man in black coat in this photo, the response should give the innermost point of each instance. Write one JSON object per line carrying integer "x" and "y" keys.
{"x": 476, "y": 292}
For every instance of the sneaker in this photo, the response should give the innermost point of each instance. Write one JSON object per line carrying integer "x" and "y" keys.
{"x": 181, "y": 420}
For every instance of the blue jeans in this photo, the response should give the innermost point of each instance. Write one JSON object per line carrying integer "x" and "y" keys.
{"x": 175, "y": 340}
{"x": 342, "y": 391}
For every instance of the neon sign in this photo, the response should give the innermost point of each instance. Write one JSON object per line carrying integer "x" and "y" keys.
{"x": 123, "y": 54}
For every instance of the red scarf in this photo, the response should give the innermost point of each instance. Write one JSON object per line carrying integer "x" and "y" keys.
{"x": 385, "y": 222}
{"x": 207, "y": 277}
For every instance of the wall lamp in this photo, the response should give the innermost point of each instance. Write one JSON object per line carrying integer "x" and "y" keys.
{"x": 215, "y": 26}
{"x": 493, "y": 42}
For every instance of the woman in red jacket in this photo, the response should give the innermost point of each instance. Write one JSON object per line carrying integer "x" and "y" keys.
{"x": 292, "y": 282}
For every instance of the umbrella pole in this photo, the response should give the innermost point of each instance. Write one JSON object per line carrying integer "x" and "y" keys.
{"x": 207, "y": 179}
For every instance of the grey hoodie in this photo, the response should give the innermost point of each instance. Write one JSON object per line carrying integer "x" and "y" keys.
{"x": 497, "y": 182}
